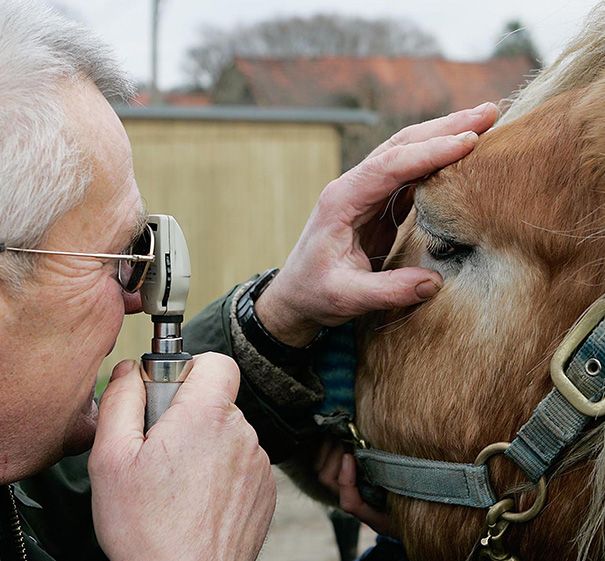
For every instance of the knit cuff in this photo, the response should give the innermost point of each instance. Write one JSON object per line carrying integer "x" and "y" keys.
{"x": 297, "y": 387}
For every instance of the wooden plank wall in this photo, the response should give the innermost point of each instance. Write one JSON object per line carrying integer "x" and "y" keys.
{"x": 241, "y": 192}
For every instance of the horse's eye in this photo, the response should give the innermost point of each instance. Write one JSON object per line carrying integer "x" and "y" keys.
{"x": 440, "y": 249}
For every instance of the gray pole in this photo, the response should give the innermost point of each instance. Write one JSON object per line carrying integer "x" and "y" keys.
{"x": 155, "y": 20}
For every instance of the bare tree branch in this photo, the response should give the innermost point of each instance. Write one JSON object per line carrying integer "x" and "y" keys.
{"x": 319, "y": 35}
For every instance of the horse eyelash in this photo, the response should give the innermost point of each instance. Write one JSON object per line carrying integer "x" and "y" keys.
{"x": 442, "y": 249}
{"x": 435, "y": 245}
{"x": 430, "y": 241}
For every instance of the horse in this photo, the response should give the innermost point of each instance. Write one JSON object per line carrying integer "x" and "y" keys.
{"x": 517, "y": 231}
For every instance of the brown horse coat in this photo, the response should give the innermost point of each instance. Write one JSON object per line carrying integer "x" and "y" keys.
{"x": 517, "y": 230}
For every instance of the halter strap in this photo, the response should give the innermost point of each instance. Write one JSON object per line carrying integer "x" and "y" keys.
{"x": 556, "y": 422}
{"x": 428, "y": 480}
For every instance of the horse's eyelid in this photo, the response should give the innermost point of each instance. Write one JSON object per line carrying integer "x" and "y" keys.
{"x": 440, "y": 237}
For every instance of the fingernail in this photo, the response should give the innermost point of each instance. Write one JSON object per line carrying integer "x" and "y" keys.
{"x": 468, "y": 136}
{"x": 427, "y": 289}
{"x": 123, "y": 368}
{"x": 480, "y": 109}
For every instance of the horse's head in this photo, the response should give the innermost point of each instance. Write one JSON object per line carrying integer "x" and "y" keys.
{"x": 517, "y": 230}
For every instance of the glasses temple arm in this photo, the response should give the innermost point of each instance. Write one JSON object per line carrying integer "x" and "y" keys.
{"x": 135, "y": 258}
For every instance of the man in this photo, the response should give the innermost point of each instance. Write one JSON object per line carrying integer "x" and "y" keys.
{"x": 198, "y": 485}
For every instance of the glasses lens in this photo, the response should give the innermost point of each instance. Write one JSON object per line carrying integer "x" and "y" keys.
{"x": 131, "y": 274}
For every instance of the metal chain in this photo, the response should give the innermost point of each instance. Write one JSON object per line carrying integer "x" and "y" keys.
{"x": 15, "y": 526}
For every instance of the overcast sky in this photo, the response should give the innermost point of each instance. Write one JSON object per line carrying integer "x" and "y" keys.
{"x": 466, "y": 29}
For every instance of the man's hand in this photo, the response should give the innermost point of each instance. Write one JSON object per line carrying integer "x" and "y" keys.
{"x": 328, "y": 278}
{"x": 337, "y": 471}
{"x": 197, "y": 486}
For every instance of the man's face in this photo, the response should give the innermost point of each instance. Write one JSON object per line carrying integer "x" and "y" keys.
{"x": 59, "y": 328}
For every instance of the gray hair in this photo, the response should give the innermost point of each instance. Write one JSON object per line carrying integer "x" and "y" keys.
{"x": 43, "y": 173}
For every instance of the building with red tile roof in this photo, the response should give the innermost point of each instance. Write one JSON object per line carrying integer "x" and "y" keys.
{"x": 391, "y": 85}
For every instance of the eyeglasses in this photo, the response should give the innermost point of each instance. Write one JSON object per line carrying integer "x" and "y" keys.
{"x": 132, "y": 265}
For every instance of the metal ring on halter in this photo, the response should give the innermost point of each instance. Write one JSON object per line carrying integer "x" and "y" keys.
{"x": 539, "y": 502}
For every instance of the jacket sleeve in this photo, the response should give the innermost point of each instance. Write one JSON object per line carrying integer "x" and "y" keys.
{"x": 278, "y": 404}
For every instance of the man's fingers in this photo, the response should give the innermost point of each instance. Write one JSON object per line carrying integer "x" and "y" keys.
{"x": 396, "y": 288}
{"x": 122, "y": 406}
{"x": 328, "y": 476}
{"x": 479, "y": 120}
{"x": 214, "y": 378}
{"x": 375, "y": 179}
{"x": 351, "y": 501}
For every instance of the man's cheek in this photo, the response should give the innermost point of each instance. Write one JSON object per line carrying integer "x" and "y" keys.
{"x": 103, "y": 317}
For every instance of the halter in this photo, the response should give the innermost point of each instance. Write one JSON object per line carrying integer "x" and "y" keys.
{"x": 558, "y": 421}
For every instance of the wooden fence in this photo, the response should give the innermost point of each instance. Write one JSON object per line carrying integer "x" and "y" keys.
{"x": 241, "y": 183}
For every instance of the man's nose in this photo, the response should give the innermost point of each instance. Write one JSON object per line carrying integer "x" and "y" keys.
{"x": 133, "y": 304}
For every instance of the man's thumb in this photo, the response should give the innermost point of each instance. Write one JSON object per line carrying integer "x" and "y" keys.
{"x": 122, "y": 408}
{"x": 396, "y": 288}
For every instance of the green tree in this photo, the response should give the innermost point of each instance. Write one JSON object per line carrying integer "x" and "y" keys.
{"x": 516, "y": 41}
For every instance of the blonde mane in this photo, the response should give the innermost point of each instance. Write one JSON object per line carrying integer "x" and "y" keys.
{"x": 581, "y": 63}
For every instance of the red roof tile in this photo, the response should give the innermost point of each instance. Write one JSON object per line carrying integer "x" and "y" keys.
{"x": 401, "y": 85}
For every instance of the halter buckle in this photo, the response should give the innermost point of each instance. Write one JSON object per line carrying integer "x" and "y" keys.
{"x": 570, "y": 344}
{"x": 356, "y": 437}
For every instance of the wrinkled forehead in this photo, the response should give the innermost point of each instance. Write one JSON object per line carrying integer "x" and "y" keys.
{"x": 112, "y": 207}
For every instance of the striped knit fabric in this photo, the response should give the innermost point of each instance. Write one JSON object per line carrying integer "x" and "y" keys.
{"x": 335, "y": 363}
